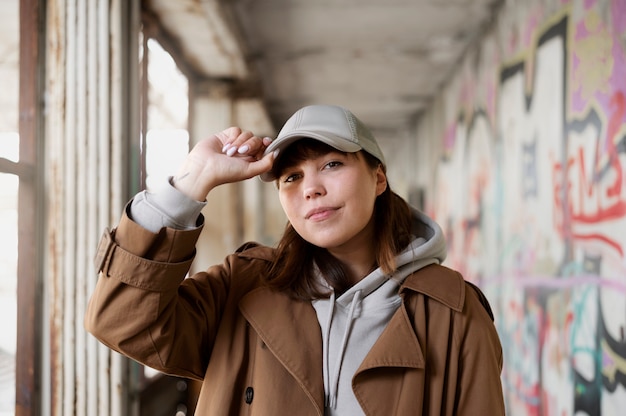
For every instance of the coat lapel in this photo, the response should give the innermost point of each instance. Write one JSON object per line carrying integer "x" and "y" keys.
{"x": 396, "y": 354}
{"x": 290, "y": 330}
{"x": 397, "y": 346}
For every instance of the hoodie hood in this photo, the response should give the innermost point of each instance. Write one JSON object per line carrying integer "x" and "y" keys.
{"x": 428, "y": 247}
{"x": 352, "y": 323}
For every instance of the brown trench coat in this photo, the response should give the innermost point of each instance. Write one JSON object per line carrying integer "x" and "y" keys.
{"x": 258, "y": 352}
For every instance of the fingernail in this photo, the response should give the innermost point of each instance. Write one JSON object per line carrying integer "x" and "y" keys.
{"x": 226, "y": 146}
{"x": 243, "y": 149}
{"x": 276, "y": 153}
{"x": 231, "y": 150}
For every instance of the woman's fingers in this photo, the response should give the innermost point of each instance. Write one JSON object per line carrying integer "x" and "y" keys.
{"x": 246, "y": 144}
{"x": 235, "y": 138}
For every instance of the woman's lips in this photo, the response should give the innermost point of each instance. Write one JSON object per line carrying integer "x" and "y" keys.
{"x": 320, "y": 213}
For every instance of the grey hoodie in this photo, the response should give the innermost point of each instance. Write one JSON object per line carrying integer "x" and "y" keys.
{"x": 351, "y": 323}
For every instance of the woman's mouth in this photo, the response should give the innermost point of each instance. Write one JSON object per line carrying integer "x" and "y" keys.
{"x": 320, "y": 213}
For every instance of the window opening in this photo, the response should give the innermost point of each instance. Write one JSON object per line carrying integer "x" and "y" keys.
{"x": 164, "y": 146}
{"x": 9, "y": 187}
{"x": 167, "y": 137}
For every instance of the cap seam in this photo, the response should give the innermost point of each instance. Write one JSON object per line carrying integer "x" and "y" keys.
{"x": 299, "y": 120}
{"x": 351, "y": 124}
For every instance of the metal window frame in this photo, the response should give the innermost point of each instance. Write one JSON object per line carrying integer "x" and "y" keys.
{"x": 29, "y": 293}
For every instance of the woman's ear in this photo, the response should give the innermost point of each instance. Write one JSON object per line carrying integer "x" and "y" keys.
{"x": 381, "y": 180}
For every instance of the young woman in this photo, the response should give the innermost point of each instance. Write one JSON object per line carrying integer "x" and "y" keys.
{"x": 351, "y": 313}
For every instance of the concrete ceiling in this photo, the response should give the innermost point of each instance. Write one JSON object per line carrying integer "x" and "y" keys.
{"x": 383, "y": 59}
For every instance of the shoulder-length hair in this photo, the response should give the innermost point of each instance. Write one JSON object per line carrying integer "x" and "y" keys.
{"x": 298, "y": 262}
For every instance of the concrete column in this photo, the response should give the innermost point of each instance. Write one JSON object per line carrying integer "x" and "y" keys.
{"x": 263, "y": 219}
{"x": 211, "y": 110}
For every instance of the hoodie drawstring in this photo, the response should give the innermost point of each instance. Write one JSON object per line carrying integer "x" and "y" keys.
{"x": 331, "y": 396}
{"x": 325, "y": 346}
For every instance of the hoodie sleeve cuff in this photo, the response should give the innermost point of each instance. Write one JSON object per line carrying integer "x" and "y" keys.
{"x": 166, "y": 208}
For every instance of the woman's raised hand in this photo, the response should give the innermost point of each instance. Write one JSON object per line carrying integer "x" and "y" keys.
{"x": 229, "y": 156}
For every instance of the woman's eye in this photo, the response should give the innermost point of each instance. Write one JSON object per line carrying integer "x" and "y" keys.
{"x": 290, "y": 178}
{"x": 333, "y": 164}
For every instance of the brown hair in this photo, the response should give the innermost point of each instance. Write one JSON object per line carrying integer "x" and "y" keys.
{"x": 296, "y": 262}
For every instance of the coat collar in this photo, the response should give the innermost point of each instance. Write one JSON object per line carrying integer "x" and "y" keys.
{"x": 438, "y": 282}
{"x": 398, "y": 345}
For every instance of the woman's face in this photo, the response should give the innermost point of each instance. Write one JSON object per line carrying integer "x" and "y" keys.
{"x": 329, "y": 199}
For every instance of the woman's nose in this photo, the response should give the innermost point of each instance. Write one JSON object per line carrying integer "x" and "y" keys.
{"x": 313, "y": 188}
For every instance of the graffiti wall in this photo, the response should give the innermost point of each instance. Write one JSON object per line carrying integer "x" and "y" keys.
{"x": 529, "y": 185}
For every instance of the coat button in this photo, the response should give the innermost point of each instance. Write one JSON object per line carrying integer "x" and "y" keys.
{"x": 249, "y": 395}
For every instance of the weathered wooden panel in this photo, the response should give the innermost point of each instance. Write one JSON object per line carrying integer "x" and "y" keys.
{"x": 91, "y": 117}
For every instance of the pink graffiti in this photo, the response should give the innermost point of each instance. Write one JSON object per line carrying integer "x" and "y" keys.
{"x": 449, "y": 138}
{"x": 603, "y": 32}
{"x": 618, "y": 12}
{"x": 581, "y": 31}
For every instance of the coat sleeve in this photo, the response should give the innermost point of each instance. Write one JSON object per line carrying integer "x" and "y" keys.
{"x": 142, "y": 305}
{"x": 479, "y": 388}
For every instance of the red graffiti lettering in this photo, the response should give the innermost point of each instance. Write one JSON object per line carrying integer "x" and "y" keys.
{"x": 617, "y": 102}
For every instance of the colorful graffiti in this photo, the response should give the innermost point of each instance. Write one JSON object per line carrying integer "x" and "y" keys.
{"x": 531, "y": 192}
